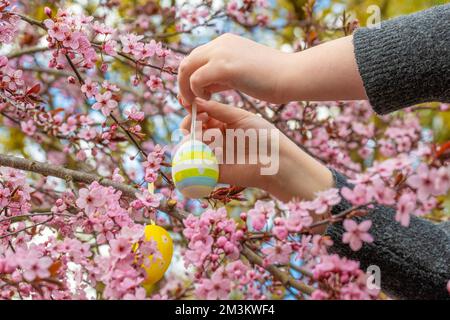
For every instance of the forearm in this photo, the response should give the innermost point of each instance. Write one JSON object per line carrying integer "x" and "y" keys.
{"x": 404, "y": 62}
{"x": 299, "y": 176}
{"x": 325, "y": 72}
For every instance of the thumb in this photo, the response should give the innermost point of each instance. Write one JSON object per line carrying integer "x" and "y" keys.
{"x": 219, "y": 111}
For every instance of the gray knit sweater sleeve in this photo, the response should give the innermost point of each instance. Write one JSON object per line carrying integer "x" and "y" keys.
{"x": 407, "y": 60}
{"x": 414, "y": 261}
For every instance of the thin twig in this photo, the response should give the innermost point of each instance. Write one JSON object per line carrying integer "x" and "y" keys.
{"x": 278, "y": 274}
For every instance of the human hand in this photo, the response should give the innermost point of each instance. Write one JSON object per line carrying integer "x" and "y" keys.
{"x": 233, "y": 62}
{"x": 323, "y": 73}
{"x": 298, "y": 175}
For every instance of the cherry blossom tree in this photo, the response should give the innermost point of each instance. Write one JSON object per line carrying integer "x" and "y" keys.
{"x": 88, "y": 101}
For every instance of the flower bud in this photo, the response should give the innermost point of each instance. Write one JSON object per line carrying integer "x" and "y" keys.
{"x": 221, "y": 241}
{"x": 48, "y": 12}
{"x": 104, "y": 67}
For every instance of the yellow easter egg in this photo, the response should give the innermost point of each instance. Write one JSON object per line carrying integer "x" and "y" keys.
{"x": 195, "y": 169}
{"x": 158, "y": 267}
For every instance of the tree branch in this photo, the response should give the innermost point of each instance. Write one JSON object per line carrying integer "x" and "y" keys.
{"x": 26, "y": 51}
{"x": 63, "y": 173}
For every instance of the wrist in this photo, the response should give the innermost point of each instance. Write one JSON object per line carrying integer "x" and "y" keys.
{"x": 288, "y": 79}
{"x": 300, "y": 176}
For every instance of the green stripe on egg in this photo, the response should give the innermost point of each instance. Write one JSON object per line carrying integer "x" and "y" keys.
{"x": 195, "y": 170}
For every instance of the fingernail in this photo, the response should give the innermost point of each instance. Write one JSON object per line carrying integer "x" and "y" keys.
{"x": 181, "y": 101}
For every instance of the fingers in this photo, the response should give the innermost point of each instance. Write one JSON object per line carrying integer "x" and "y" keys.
{"x": 222, "y": 112}
{"x": 216, "y": 88}
{"x": 186, "y": 123}
{"x": 208, "y": 76}
{"x": 213, "y": 123}
{"x": 187, "y": 67}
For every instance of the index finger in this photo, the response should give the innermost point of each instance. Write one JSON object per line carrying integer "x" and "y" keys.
{"x": 188, "y": 66}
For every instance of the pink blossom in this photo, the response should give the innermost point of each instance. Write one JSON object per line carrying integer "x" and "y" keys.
{"x": 34, "y": 265}
{"x": 4, "y": 196}
{"x": 150, "y": 248}
{"x": 257, "y": 220}
{"x": 237, "y": 269}
{"x": 154, "y": 83}
{"x": 120, "y": 248}
{"x": 71, "y": 40}
{"x": 214, "y": 288}
{"x": 139, "y": 294}
{"x": 325, "y": 200}
{"x": 56, "y": 30}
{"x": 319, "y": 295}
{"x": 442, "y": 182}
{"x": 423, "y": 181}
{"x": 89, "y": 88}
{"x": 360, "y": 195}
{"x": 320, "y": 245}
{"x": 102, "y": 28}
{"x": 28, "y": 127}
{"x": 110, "y": 47}
{"x": 88, "y": 134}
{"x": 277, "y": 254}
{"x": 134, "y": 114}
{"x": 91, "y": 199}
{"x": 9, "y": 25}
{"x": 298, "y": 218}
{"x": 149, "y": 49}
{"x": 202, "y": 246}
{"x": 148, "y": 199}
{"x": 131, "y": 44}
{"x": 356, "y": 234}
{"x": 343, "y": 280}
{"x": 110, "y": 86}
{"x": 105, "y": 103}
{"x": 260, "y": 213}
{"x": 331, "y": 265}
{"x": 280, "y": 231}
{"x": 382, "y": 193}
{"x": 13, "y": 78}
{"x": 69, "y": 126}
{"x": 405, "y": 207}
{"x": 117, "y": 177}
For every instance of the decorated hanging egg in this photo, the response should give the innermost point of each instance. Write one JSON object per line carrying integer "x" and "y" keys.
{"x": 155, "y": 271}
{"x": 195, "y": 170}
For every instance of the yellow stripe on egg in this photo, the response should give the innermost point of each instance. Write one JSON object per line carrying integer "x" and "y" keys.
{"x": 183, "y": 174}
{"x": 195, "y": 169}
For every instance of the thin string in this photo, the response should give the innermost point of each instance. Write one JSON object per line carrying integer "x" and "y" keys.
{"x": 193, "y": 121}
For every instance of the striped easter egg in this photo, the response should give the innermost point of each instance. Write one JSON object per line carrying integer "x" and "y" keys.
{"x": 194, "y": 169}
